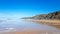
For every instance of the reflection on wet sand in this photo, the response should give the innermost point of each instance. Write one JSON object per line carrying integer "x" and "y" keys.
{"x": 31, "y": 32}
{"x": 53, "y": 23}
{"x": 24, "y": 27}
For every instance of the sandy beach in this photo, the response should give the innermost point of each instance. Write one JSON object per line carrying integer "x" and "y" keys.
{"x": 53, "y": 23}
{"x": 31, "y": 32}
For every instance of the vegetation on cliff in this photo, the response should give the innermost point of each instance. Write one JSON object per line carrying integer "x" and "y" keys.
{"x": 53, "y": 15}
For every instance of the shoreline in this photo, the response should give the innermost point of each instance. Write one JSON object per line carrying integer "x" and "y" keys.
{"x": 31, "y": 32}
{"x": 28, "y": 31}
{"x": 53, "y": 23}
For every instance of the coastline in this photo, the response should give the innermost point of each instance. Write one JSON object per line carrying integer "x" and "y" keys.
{"x": 53, "y": 23}
{"x": 48, "y": 22}
{"x": 31, "y": 32}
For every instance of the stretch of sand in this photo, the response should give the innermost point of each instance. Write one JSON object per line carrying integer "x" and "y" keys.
{"x": 31, "y": 32}
{"x": 54, "y": 23}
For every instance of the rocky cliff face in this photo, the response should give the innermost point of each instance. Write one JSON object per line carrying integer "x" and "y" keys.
{"x": 53, "y": 15}
{"x": 42, "y": 16}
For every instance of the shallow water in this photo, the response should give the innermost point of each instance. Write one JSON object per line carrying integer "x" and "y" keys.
{"x": 14, "y": 25}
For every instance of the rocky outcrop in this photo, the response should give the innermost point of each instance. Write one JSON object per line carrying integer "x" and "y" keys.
{"x": 53, "y": 15}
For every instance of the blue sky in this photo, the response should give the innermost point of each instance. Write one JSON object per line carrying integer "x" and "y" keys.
{"x": 24, "y": 8}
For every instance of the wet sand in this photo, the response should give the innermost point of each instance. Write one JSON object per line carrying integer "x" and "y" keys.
{"x": 53, "y": 23}
{"x": 31, "y": 32}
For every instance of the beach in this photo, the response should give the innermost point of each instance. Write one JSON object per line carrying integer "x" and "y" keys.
{"x": 53, "y": 23}
{"x": 31, "y": 26}
{"x": 31, "y": 32}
